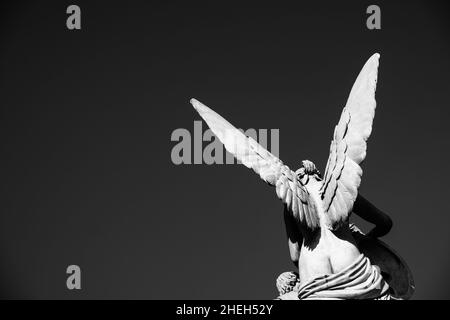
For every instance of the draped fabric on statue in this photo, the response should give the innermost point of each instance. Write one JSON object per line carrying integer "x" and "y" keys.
{"x": 360, "y": 280}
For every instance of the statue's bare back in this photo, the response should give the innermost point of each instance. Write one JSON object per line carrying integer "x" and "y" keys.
{"x": 324, "y": 252}
{"x": 333, "y": 252}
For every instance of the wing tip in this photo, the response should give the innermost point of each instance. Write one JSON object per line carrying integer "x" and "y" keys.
{"x": 374, "y": 60}
{"x": 200, "y": 107}
{"x": 195, "y": 103}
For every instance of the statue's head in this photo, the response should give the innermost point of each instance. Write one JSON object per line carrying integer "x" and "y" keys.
{"x": 301, "y": 173}
{"x": 287, "y": 282}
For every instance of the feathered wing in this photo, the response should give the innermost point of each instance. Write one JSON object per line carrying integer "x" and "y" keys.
{"x": 269, "y": 167}
{"x": 348, "y": 148}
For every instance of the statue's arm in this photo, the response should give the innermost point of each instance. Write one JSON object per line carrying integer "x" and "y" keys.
{"x": 294, "y": 235}
{"x": 383, "y": 223}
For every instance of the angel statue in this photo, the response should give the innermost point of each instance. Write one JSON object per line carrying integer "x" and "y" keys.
{"x": 335, "y": 260}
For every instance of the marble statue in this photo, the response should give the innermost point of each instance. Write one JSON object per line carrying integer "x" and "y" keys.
{"x": 335, "y": 260}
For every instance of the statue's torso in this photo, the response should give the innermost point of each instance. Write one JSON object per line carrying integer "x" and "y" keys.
{"x": 328, "y": 252}
{"x": 325, "y": 252}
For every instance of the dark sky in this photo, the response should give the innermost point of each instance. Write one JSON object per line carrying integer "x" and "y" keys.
{"x": 87, "y": 116}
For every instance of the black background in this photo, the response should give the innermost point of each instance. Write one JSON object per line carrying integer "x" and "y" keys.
{"x": 87, "y": 116}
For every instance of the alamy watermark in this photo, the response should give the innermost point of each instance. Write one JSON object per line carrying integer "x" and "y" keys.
{"x": 373, "y": 22}
{"x": 74, "y": 279}
{"x": 190, "y": 149}
{"x": 73, "y": 21}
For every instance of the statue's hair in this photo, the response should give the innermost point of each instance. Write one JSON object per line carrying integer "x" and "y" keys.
{"x": 287, "y": 281}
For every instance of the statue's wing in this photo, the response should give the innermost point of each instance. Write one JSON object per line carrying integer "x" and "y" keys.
{"x": 269, "y": 167}
{"x": 348, "y": 148}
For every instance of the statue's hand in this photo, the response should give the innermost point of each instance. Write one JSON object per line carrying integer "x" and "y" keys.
{"x": 310, "y": 167}
{"x": 357, "y": 234}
